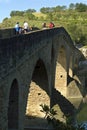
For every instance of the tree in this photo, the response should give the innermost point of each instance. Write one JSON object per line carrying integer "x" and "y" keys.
{"x": 46, "y": 10}
{"x": 5, "y": 19}
{"x": 72, "y": 6}
{"x": 81, "y": 7}
{"x": 30, "y": 11}
{"x": 16, "y": 13}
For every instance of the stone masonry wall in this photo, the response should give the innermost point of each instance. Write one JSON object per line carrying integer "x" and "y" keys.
{"x": 31, "y": 61}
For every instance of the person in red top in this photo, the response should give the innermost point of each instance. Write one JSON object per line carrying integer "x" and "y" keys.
{"x": 51, "y": 25}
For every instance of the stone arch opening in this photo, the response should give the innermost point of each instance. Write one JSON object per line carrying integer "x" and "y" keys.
{"x": 38, "y": 94}
{"x": 61, "y": 71}
{"x": 13, "y": 106}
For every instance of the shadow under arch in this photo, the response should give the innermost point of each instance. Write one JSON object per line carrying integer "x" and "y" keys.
{"x": 38, "y": 94}
{"x": 13, "y": 106}
{"x": 40, "y": 76}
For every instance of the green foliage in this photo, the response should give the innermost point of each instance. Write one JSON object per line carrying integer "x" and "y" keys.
{"x": 30, "y": 16}
{"x": 16, "y": 13}
{"x": 21, "y": 13}
{"x": 49, "y": 113}
{"x": 72, "y": 6}
{"x": 81, "y": 7}
{"x": 5, "y": 19}
{"x": 46, "y": 10}
{"x": 77, "y": 33}
{"x": 30, "y": 11}
{"x": 58, "y": 125}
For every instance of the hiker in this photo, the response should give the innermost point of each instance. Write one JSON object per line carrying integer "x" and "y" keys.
{"x": 51, "y": 25}
{"x": 26, "y": 27}
{"x": 17, "y": 27}
{"x": 44, "y": 26}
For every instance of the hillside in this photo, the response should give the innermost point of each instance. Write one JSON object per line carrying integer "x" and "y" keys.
{"x": 74, "y": 22}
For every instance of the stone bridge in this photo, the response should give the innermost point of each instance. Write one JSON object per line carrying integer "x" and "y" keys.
{"x": 36, "y": 68}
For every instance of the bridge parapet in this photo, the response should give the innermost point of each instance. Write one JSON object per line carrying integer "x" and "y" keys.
{"x": 4, "y": 33}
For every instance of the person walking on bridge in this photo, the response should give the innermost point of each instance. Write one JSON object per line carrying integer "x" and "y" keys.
{"x": 51, "y": 25}
{"x": 26, "y": 27}
{"x": 17, "y": 27}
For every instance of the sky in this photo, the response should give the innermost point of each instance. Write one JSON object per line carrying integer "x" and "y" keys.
{"x": 6, "y": 6}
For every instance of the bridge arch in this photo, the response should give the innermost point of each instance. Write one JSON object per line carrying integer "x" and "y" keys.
{"x": 13, "y": 111}
{"x": 38, "y": 94}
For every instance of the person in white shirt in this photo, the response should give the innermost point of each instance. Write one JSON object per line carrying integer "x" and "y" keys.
{"x": 26, "y": 27}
